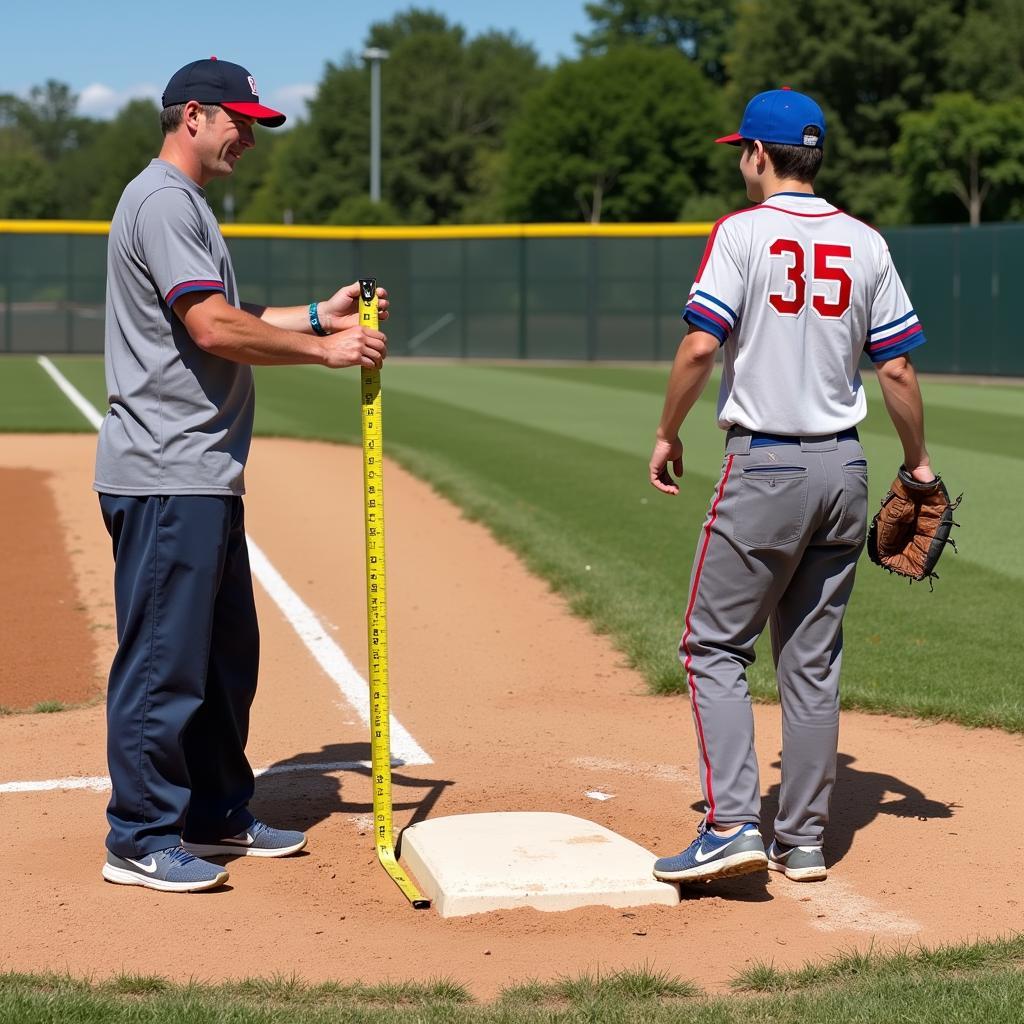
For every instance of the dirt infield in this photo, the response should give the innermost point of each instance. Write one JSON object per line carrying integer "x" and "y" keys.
{"x": 39, "y": 605}
{"x": 521, "y": 707}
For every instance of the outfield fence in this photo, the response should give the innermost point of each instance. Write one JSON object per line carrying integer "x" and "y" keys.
{"x": 536, "y": 291}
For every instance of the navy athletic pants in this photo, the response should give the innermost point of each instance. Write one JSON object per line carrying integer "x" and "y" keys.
{"x": 184, "y": 675}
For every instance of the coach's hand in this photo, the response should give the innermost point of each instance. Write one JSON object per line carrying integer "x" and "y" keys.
{"x": 355, "y": 346}
{"x": 666, "y": 450}
{"x": 341, "y": 310}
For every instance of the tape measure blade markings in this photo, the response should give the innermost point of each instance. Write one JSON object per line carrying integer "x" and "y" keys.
{"x": 376, "y": 607}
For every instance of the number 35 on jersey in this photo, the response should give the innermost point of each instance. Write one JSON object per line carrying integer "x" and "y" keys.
{"x": 829, "y": 287}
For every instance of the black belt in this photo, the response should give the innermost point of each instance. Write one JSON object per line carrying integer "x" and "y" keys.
{"x": 761, "y": 440}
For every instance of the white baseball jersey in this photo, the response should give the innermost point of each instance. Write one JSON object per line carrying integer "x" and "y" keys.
{"x": 796, "y": 290}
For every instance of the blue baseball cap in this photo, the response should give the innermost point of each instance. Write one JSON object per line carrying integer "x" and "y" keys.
{"x": 782, "y": 116}
{"x": 223, "y": 83}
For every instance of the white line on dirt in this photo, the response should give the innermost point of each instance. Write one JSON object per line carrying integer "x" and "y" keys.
{"x": 101, "y": 783}
{"x": 311, "y": 631}
{"x": 329, "y": 655}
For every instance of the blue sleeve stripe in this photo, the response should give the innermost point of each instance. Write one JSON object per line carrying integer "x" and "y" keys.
{"x": 192, "y": 286}
{"x": 717, "y": 302}
{"x": 885, "y": 327}
{"x": 703, "y": 323}
{"x": 895, "y": 339}
{"x": 897, "y": 350}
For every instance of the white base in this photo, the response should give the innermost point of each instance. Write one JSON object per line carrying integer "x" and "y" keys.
{"x": 472, "y": 863}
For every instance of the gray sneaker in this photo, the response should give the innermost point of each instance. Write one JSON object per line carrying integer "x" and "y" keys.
{"x": 171, "y": 870}
{"x": 800, "y": 863}
{"x": 258, "y": 840}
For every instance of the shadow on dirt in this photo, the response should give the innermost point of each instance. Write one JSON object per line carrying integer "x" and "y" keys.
{"x": 857, "y": 799}
{"x": 303, "y": 790}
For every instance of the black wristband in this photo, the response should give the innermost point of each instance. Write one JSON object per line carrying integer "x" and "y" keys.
{"x": 314, "y": 321}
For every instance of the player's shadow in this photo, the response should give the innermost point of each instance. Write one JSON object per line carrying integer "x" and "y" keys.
{"x": 857, "y": 799}
{"x": 306, "y": 789}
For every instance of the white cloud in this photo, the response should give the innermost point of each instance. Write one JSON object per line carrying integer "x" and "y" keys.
{"x": 103, "y": 101}
{"x": 291, "y": 99}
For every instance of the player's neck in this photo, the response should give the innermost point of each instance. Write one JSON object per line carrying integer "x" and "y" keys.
{"x": 772, "y": 186}
{"x": 173, "y": 152}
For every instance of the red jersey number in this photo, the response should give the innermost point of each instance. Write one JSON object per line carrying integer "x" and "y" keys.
{"x": 792, "y": 300}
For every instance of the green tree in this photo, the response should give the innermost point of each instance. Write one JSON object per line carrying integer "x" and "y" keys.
{"x": 50, "y": 120}
{"x": 446, "y": 101}
{"x": 966, "y": 149}
{"x": 986, "y": 54}
{"x": 622, "y": 136}
{"x": 94, "y": 174}
{"x": 28, "y": 186}
{"x": 868, "y": 62}
{"x": 702, "y": 31}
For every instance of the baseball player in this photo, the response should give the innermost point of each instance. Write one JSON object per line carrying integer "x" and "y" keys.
{"x": 794, "y": 291}
{"x": 179, "y": 348}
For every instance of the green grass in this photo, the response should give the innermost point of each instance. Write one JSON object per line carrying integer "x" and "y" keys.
{"x": 48, "y": 707}
{"x": 955, "y": 984}
{"x": 903, "y": 962}
{"x": 553, "y": 461}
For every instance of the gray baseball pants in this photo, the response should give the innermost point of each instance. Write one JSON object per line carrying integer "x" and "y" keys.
{"x": 779, "y": 545}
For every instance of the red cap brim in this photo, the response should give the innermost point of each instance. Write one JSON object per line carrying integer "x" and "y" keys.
{"x": 264, "y": 115}
{"x": 733, "y": 140}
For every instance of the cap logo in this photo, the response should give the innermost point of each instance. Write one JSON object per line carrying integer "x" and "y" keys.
{"x": 811, "y": 135}
{"x": 252, "y": 85}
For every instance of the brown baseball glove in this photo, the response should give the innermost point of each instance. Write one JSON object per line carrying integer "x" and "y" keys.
{"x": 911, "y": 529}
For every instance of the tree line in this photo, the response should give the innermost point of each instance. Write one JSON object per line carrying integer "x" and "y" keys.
{"x": 924, "y": 101}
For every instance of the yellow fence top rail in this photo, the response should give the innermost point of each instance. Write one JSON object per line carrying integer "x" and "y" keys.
{"x": 352, "y": 233}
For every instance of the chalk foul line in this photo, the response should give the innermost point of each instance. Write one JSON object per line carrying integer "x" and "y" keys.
{"x": 101, "y": 783}
{"x": 310, "y": 630}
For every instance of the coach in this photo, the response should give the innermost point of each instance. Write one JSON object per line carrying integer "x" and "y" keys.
{"x": 179, "y": 347}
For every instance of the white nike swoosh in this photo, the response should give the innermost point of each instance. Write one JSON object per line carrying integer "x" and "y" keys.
{"x": 149, "y": 868}
{"x": 246, "y": 840}
{"x": 700, "y": 856}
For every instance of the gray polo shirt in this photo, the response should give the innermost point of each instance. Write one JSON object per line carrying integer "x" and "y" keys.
{"x": 180, "y": 419}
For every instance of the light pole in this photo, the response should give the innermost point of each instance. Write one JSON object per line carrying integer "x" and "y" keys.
{"x": 375, "y": 56}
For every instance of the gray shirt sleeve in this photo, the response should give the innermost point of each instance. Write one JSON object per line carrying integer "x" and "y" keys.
{"x": 172, "y": 242}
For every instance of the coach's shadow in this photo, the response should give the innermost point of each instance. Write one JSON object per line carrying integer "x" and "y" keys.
{"x": 858, "y": 798}
{"x": 306, "y": 789}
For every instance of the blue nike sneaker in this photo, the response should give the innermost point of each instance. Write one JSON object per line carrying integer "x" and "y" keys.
{"x": 258, "y": 840}
{"x": 712, "y": 856}
{"x": 170, "y": 870}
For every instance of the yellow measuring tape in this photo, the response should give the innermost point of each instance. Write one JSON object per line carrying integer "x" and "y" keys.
{"x": 377, "y": 609}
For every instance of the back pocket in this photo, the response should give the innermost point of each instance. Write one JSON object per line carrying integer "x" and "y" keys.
{"x": 772, "y": 504}
{"x": 853, "y": 521}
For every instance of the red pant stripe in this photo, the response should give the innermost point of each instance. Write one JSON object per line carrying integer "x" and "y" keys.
{"x": 684, "y": 643}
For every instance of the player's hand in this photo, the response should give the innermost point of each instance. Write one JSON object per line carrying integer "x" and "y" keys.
{"x": 666, "y": 451}
{"x": 341, "y": 310}
{"x": 923, "y": 473}
{"x": 355, "y": 346}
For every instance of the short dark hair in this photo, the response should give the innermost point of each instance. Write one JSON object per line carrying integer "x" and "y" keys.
{"x": 799, "y": 163}
{"x": 171, "y": 117}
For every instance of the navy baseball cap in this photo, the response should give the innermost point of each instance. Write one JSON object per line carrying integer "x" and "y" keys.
{"x": 782, "y": 116}
{"x": 223, "y": 83}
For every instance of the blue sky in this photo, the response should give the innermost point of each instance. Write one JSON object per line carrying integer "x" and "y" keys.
{"x": 111, "y": 50}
